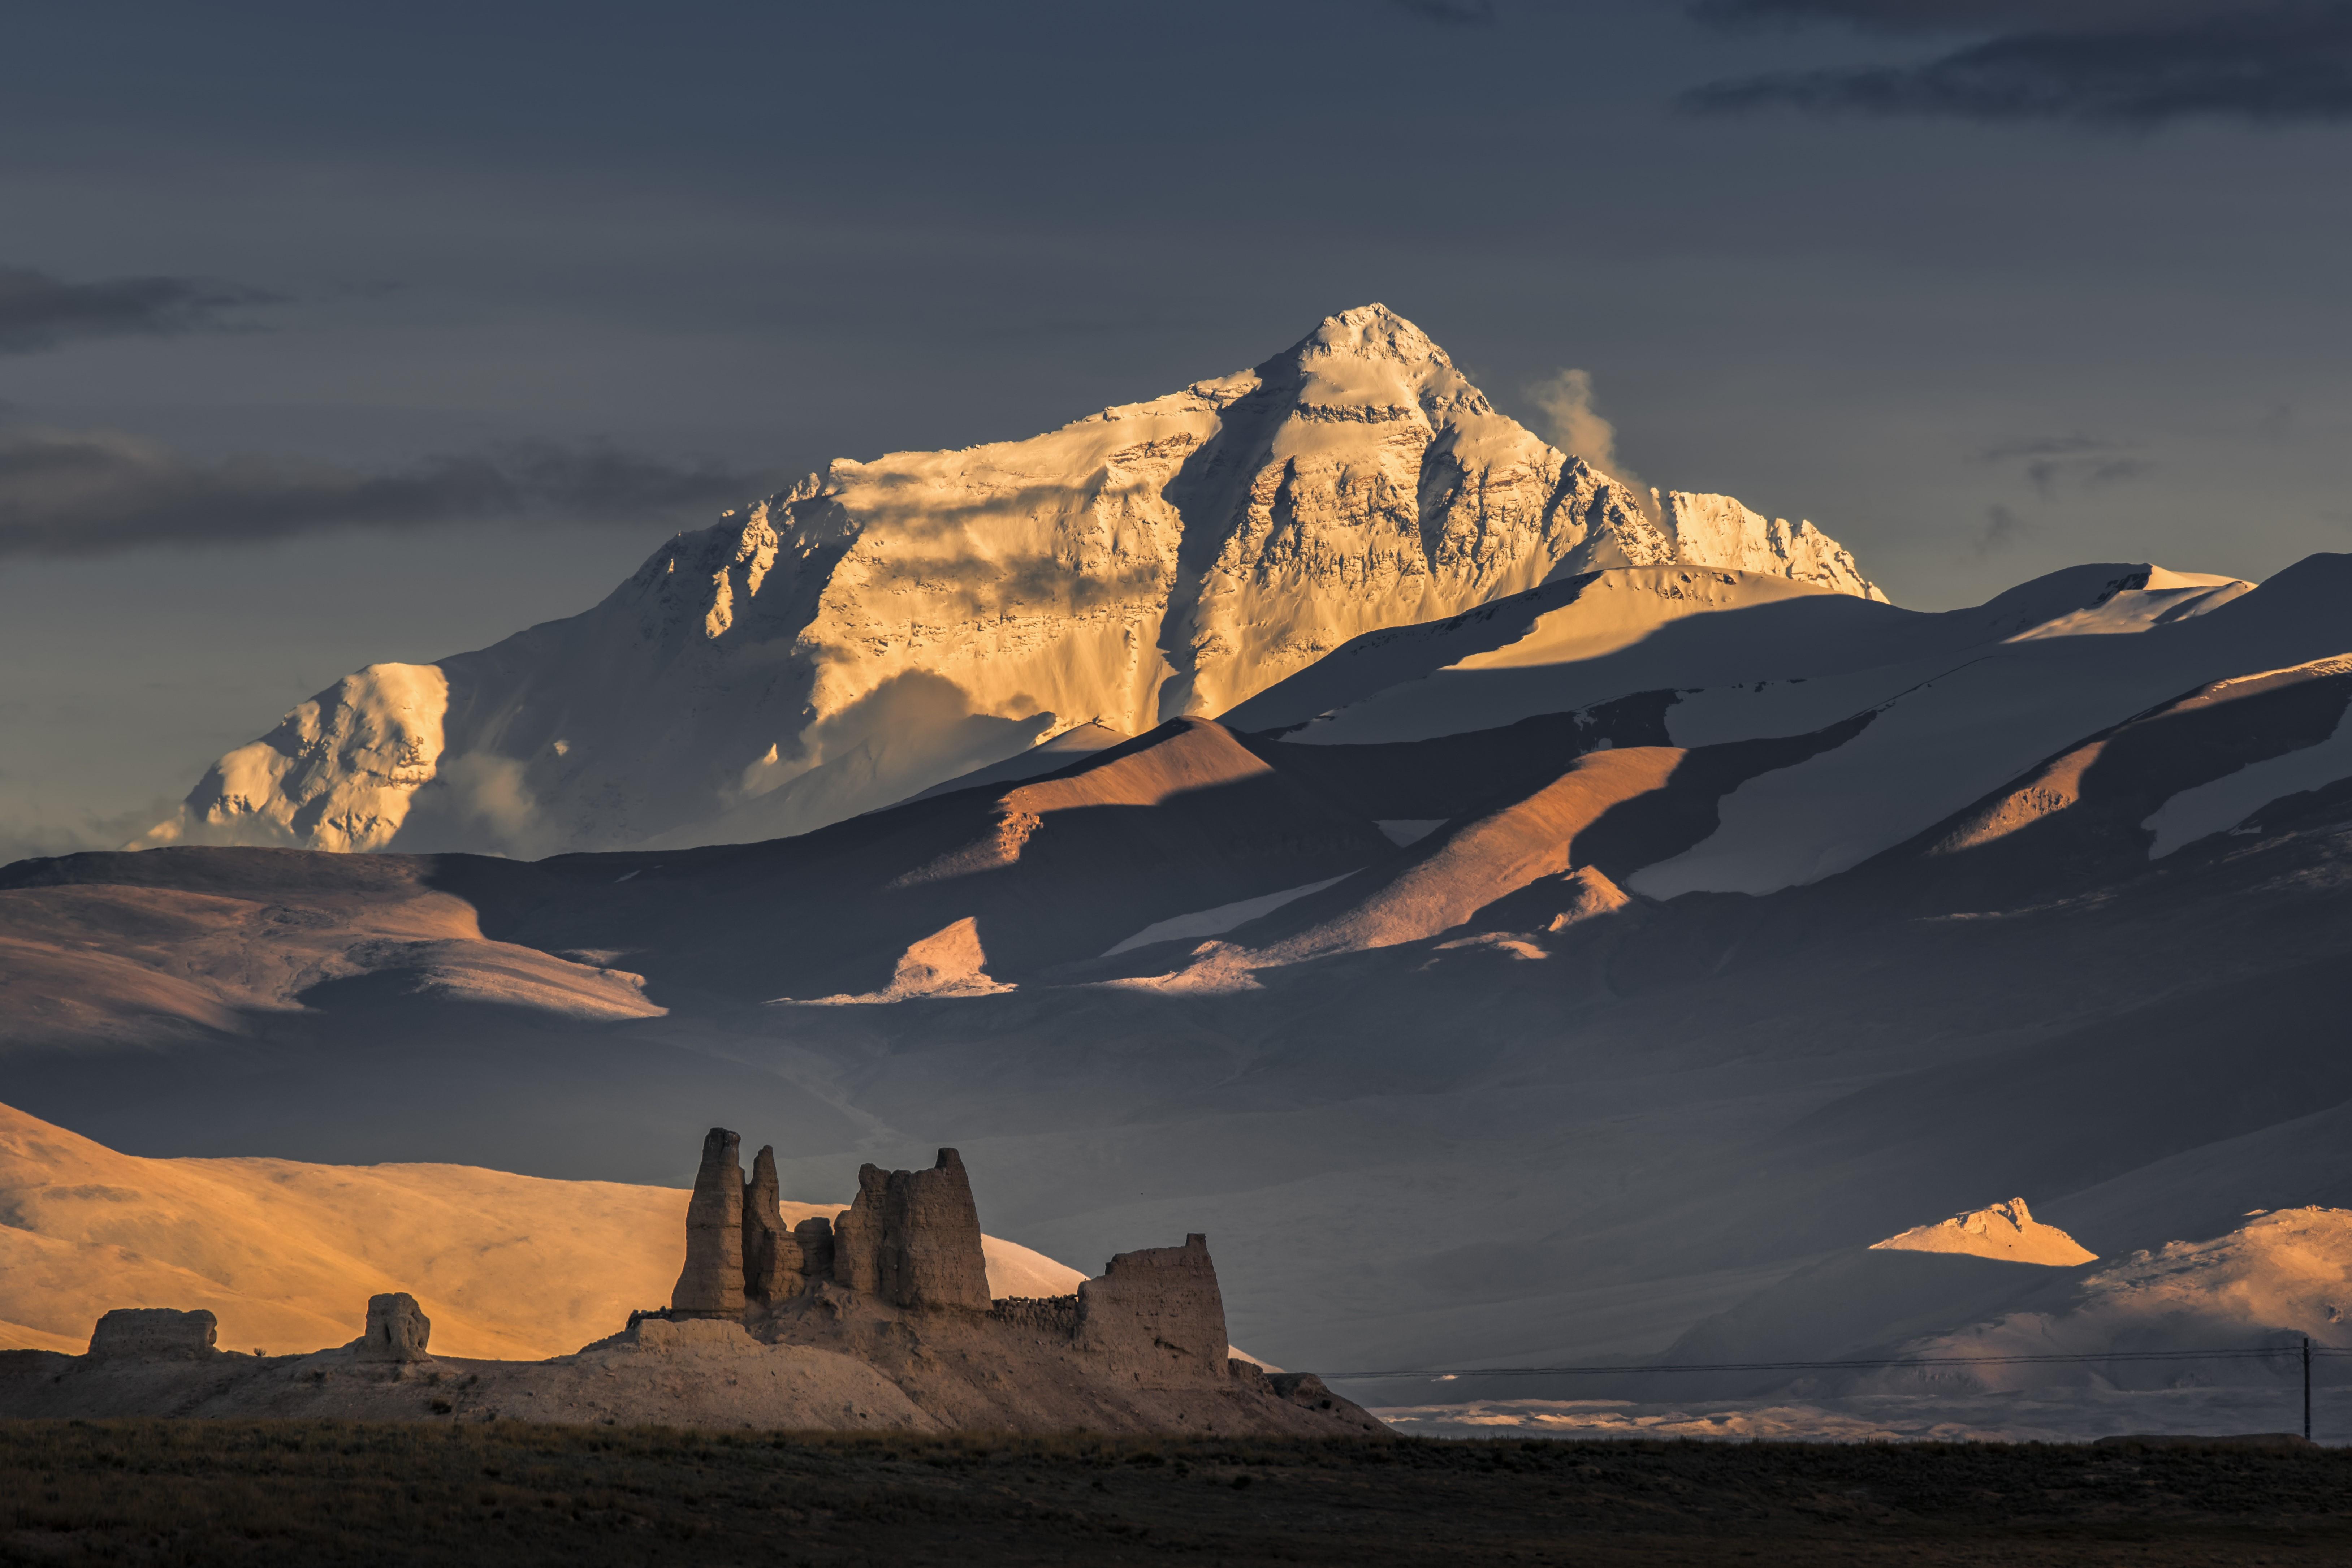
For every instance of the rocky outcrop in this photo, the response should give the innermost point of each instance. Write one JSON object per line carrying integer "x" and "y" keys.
{"x": 397, "y": 1330}
{"x": 712, "y": 1283}
{"x": 1716, "y": 530}
{"x": 155, "y": 1333}
{"x": 913, "y": 1238}
{"x": 1156, "y": 1316}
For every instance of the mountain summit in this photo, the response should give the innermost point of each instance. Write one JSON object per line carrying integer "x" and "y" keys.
{"x": 882, "y": 626}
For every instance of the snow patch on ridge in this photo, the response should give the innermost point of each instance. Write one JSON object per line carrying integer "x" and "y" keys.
{"x": 948, "y": 962}
{"x": 2153, "y": 598}
{"x": 1221, "y": 920}
{"x": 2223, "y": 804}
{"x": 2006, "y": 1230}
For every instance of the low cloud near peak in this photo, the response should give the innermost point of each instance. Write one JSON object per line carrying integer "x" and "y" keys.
{"x": 94, "y": 493}
{"x": 40, "y": 312}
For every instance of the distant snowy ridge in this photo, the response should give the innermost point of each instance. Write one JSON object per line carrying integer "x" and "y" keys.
{"x": 884, "y": 626}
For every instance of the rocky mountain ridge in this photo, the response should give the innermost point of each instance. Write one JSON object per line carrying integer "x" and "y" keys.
{"x": 885, "y": 625}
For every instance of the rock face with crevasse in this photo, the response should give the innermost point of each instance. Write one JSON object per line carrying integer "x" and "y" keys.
{"x": 885, "y": 625}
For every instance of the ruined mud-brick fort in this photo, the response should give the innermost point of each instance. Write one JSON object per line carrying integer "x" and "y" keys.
{"x": 878, "y": 1318}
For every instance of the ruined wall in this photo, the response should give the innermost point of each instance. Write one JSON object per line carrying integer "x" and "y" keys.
{"x": 913, "y": 1238}
{"x": 1156, "y": 1317}
{"x": 1048, "y": 1315}
{"x": 154, "y": 1332}
{"x": 857, "y": 1232}
{"x": 930, "y": 1253}
{"x": 814, "y": 1238}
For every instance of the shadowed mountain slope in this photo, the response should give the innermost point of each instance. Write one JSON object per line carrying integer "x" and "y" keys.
{"x": 2087, "y": 948}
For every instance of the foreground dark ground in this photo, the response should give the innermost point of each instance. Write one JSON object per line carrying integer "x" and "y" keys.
{"x": 198, "y": 1493}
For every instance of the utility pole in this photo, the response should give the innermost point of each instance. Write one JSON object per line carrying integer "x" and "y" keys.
{"x": 2307, "y": 1388}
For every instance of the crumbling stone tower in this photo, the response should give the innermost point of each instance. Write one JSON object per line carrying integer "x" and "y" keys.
{"x": 771, "y": 1257}
{"x": 712, "y": 1283}
{"x": 913, "y": 1238}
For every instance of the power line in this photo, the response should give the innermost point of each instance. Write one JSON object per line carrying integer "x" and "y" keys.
{"x": 2232, "y": 1353}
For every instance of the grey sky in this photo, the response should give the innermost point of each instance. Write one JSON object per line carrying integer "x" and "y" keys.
{"x": 328, "y": 336}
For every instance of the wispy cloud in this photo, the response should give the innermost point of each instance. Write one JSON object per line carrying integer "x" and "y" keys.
{"x": 1451, "y": 13}
{"x": 2002, "y": 527}
{"x": 23, "y": 837}
{"x": 88, "y": 492}
{"x": 39, "y": 311}
{"x": 1578, "y": 428}
{"x": 2132, "y": 62}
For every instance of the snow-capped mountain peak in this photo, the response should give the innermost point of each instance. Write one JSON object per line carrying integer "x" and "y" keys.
{"x": 884, "y": 626}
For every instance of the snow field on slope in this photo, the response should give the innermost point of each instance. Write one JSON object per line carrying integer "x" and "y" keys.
{"x": 1588, "y": 650}
{"x": 1221, "y": 920}
{"x": 1950, "y": 740}
{"x": 2223, "y": 804}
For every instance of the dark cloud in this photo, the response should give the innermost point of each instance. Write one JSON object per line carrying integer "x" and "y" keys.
{"x": 2101, "y": 61}
{"x": 94, "y": 492}
{"x": 39, "y": 311}
{"x": 2002, "y": 527}
{"x": 1451, "y": 13}
{"x": 1983, "y": 16}
{"x": 2057, "y": 463}
{"x": 2049, "y": 476}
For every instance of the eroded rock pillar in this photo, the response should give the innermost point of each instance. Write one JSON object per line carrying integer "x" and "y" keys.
{"x": 712, "y": 1283}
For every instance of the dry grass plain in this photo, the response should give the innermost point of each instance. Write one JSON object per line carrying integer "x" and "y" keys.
{"x": 323, "y": 1493}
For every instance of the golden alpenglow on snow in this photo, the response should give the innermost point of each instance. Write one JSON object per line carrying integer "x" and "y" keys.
{"x": 885, "y": 625}
{"x": 2005, "y": 1230}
